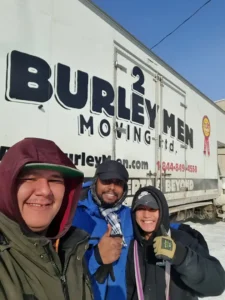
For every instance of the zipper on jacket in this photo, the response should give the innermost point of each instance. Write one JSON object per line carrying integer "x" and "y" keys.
{"x": 65, "y": 287}
{"x": 68, "y": 258}
{"x": 62, "y": 277}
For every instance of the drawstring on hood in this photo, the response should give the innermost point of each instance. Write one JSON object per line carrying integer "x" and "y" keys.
{"x": 163, "y": 213}
{"x": 35, "y": 150}
{"x": 146, "y": 244}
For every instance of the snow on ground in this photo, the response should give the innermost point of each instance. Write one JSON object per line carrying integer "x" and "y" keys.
{"x": 214, "y": 234}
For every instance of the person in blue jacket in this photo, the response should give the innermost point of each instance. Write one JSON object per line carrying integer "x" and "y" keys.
{"x": 102, "y": 214}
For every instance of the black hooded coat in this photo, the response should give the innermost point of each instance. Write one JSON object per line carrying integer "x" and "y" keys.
{"x": 194, "y": 272}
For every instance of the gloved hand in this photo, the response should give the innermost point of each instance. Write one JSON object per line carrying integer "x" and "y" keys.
{"x": 164, "y": 246}
{"x": 111, "y": 246}
{"x": 103, "y": 272}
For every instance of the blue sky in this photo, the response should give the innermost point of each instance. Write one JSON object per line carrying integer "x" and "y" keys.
{"x": 196, "y": 50}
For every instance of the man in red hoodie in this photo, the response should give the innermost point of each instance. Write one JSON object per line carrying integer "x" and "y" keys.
{"x": 41, "y": 255}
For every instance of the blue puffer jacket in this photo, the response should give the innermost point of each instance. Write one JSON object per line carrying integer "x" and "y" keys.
{"x": 174, "y": 225}
{"x": 88, "y": 218}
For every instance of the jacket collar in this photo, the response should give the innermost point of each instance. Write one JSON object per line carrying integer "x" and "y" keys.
{"x": 89, "y": 204}
{"x": 12, "y": 236}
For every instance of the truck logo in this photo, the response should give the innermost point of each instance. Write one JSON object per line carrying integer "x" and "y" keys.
{"x": 30, "y": 79}
{"x": 206, "y": 128}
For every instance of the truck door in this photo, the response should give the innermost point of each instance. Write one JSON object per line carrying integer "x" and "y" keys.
{"x": 134, "y": 140}
{"x": 172, "y": 147}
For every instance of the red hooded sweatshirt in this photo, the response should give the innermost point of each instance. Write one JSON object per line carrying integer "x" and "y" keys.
{"x": 33, "y": 150}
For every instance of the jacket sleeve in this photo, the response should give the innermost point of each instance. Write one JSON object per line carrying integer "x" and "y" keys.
{"x": 10, "y": 284}
{"x": 2, "y": 294}
{"x": 195, "y": 234}
{"x": 84, "y": 221}
{"x": 198, "y": 270}
{"x": 92, "y": 261}
{"x": 87, "y": 287}
{"x": 130, "y": 281}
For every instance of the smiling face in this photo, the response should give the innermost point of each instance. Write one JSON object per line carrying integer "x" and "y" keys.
{"x": 39, "y": 194}
{"x": 147, "y": 218}
{"x": 110, "y": 191}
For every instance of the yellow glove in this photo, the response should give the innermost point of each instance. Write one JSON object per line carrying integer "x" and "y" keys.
{"x": 164, "y": 247}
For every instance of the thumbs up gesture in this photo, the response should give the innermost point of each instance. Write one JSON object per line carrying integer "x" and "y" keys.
{"x": 110, "y": 247}
{"x": 164, "y": 246}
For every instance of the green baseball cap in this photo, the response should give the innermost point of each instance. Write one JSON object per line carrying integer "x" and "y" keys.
{"x": 64, "y": 170}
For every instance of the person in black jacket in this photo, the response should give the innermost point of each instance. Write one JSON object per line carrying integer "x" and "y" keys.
{"x": 193, "y": 232}
{"x": 165, "y": 263}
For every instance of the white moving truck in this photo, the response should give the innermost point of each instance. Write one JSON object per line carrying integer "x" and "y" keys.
{"x": 71, "y": 74}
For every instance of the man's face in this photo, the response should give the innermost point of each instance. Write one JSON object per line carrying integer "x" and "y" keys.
{"x": 40, "y": 194}
{"x": 110, "y": 191}
{"x": 147, "y": 218}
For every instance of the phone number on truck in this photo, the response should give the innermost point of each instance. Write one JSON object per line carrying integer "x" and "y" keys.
{"x": 169, "y": 166}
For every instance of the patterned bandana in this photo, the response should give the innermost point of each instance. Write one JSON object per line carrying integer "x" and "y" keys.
{"x": 110, "y": 213}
